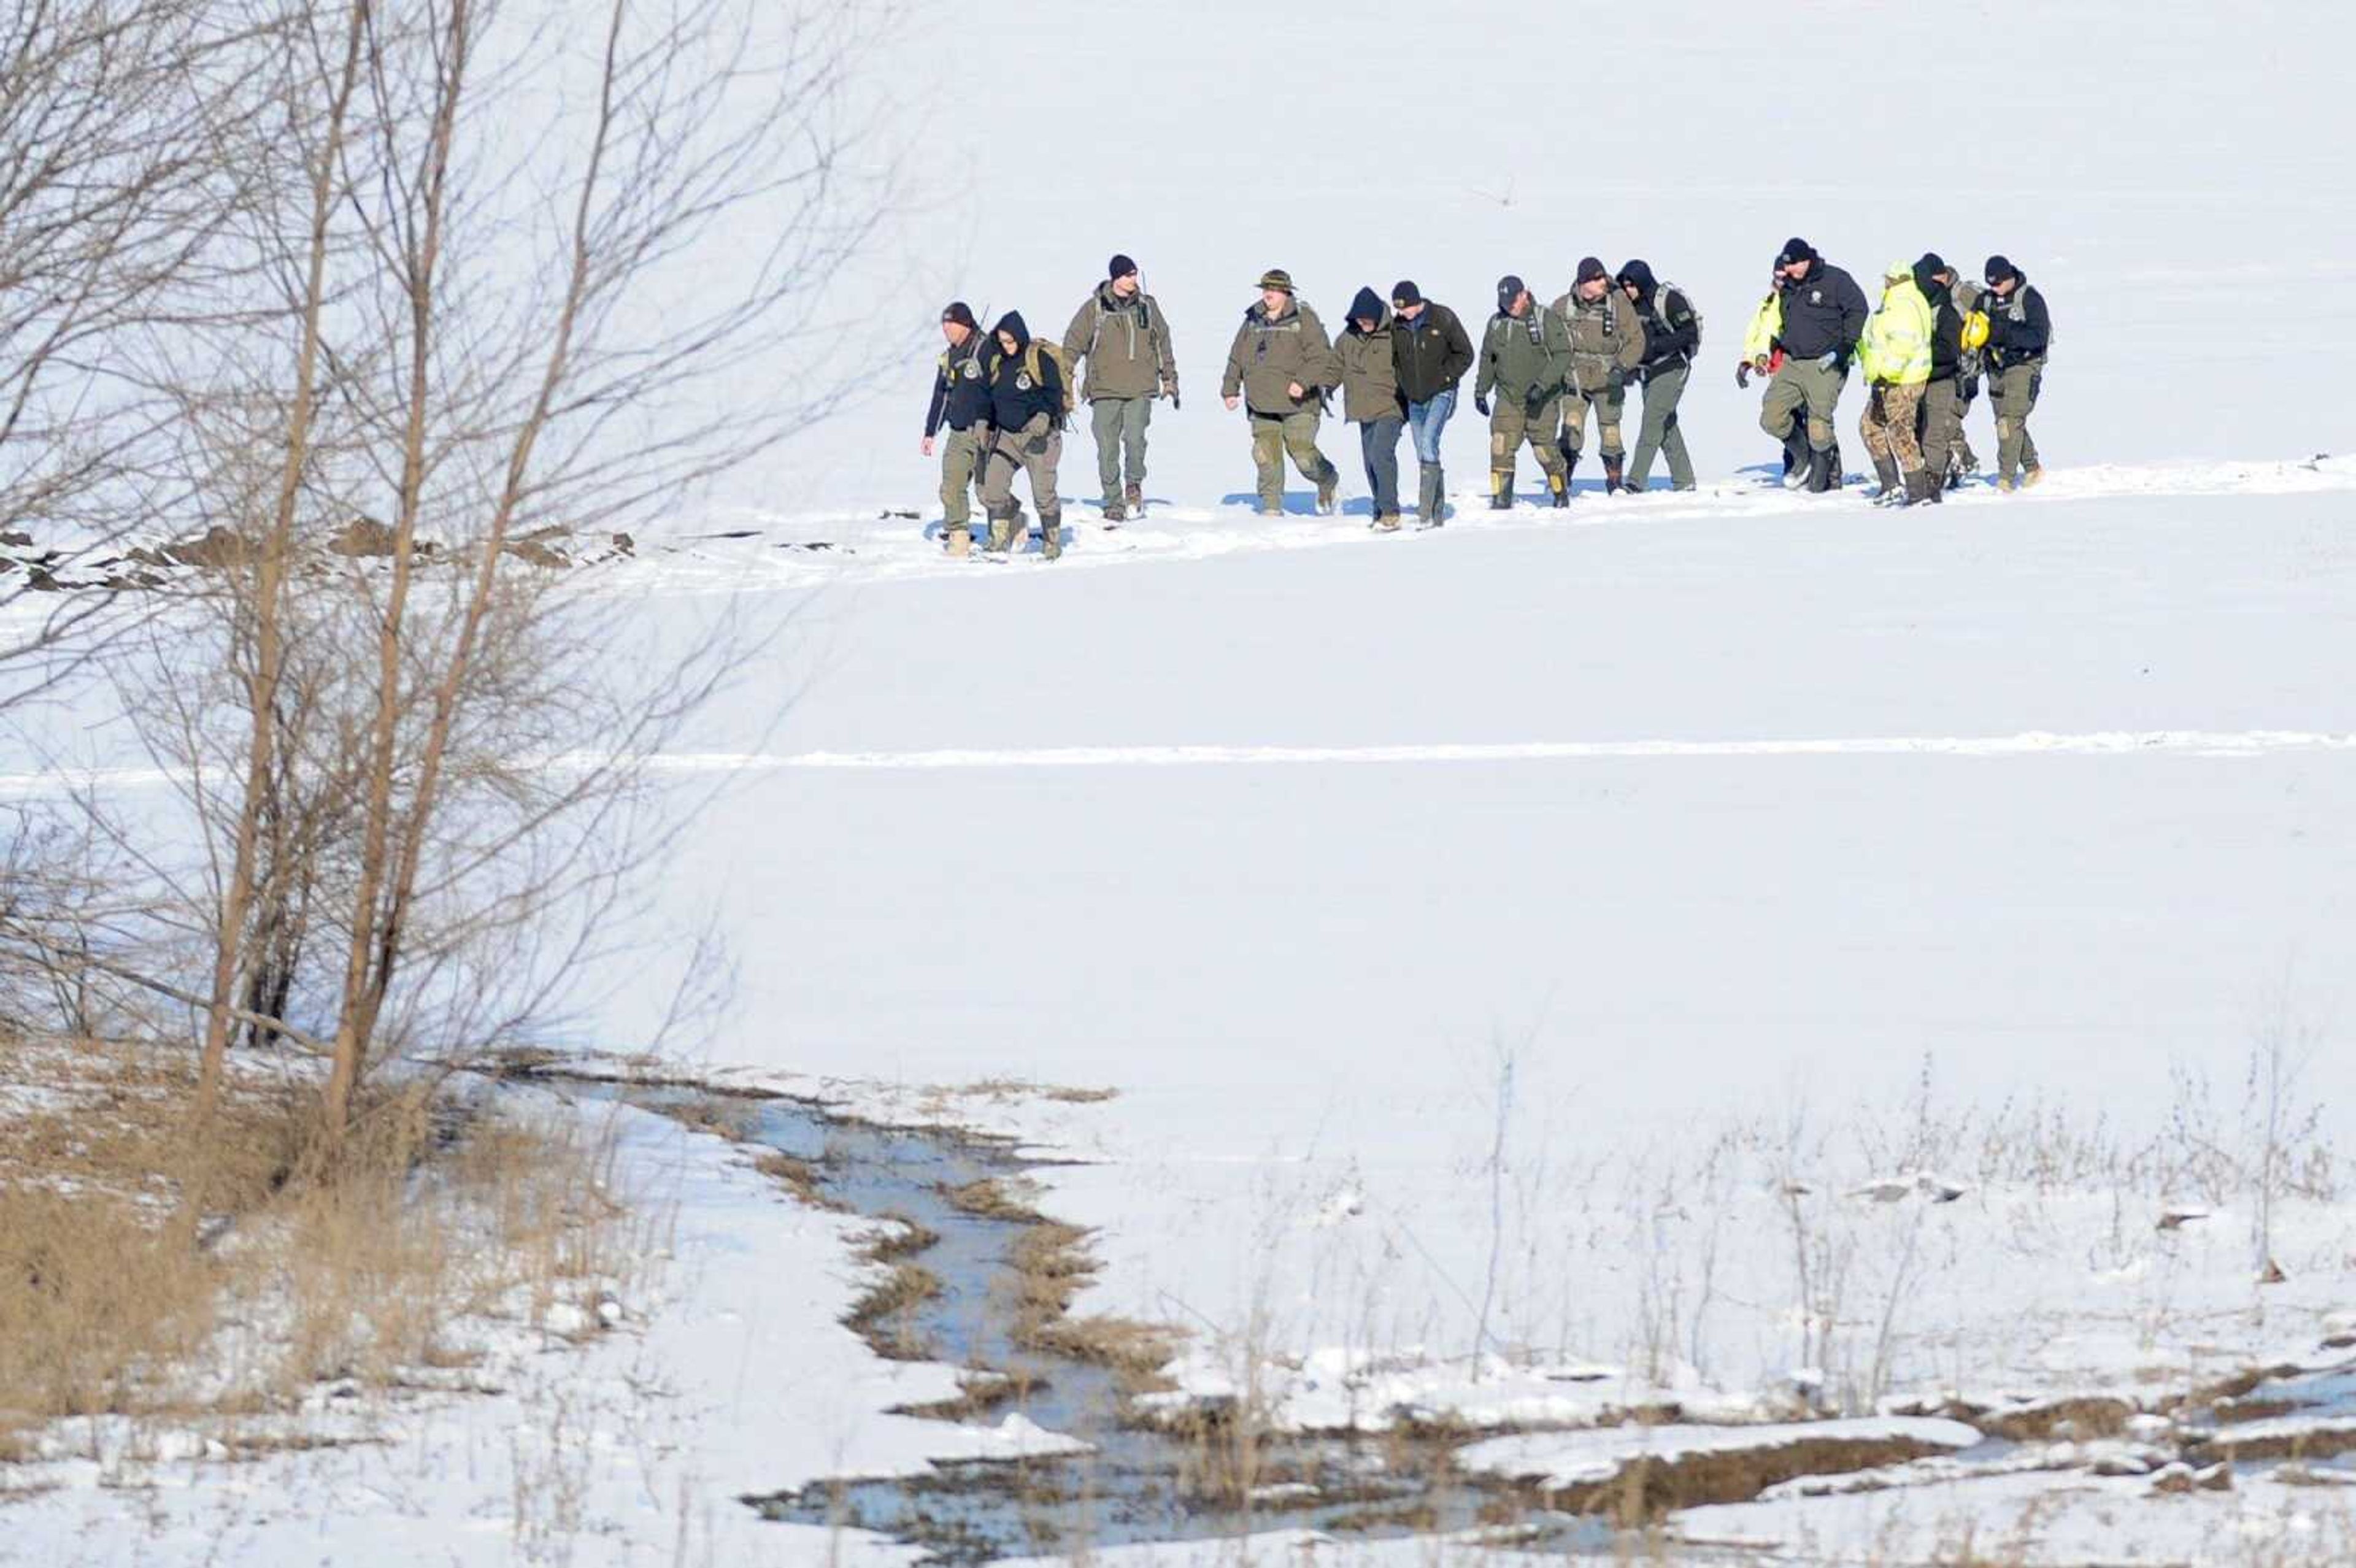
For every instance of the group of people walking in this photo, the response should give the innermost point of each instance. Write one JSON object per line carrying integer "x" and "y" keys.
{"x": 1002, "y": 400}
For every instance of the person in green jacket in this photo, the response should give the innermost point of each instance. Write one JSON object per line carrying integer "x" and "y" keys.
{"x": 1895, "y": 356}
{"x": 1122, "y": 336}
{"x": 1525, "y": 356}
{"x": 1371, "y": 399}
{"x": 1279, "y": 368}
{"x": 1607, "y": 341}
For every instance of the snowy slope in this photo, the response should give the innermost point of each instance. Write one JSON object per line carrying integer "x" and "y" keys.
{"x": 1718, "y": 816}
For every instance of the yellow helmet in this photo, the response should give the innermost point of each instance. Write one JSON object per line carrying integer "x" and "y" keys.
{"x": 1976, "y": 329}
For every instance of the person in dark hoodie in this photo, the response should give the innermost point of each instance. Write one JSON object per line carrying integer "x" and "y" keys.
{"x": 1672, "y": 338}
{"x": 1942, "y": 397}
{"x": 1371, "y": 399}
{"x": 2020, "y": 331}
{"x": 961, "y": 401}
{"x": 1026, "y": 417}
{"x": 1432, "y": 354}
{"x": 1823, "y": 315}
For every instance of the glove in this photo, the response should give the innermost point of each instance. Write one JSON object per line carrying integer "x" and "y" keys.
{"x": 1481, "y": 404}
{"x": 1743, "y": 373}
{"x": 1829, "y": 360}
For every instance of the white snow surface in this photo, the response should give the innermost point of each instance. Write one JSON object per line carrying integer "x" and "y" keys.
{"x": 1514, "y": 945}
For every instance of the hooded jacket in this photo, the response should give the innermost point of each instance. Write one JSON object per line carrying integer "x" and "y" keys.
{"x": 1823, "y": 313}
{"x": 2019, "y": 329}
{"x": 1370, "y": 389}
{"x": 1270, "y": 353}
{"x": 961, "y": 386}
{"x": 1125, "y": 344}
{"x": 1672, "y": 331}
{"x": 1896, "y": 349}
{"x": 1432, "y": 352}
{"x": 1946, "y": 325}
{"x": 1016, "y": 396}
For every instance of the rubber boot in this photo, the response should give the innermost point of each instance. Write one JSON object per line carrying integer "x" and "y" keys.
{"x": 1002, "y": 532}
{"x": 1822, "y": 474}
{"x": 1431, "y": 498}
{"x": 957, "y": 541}
{"x": 1885, "y": 469}
{"x": 1569, "y": 469}
{"x": 1051, "y": 525}
{"x": 1614, "y": 476}
{"x": 1500, "y": 491}
{"x": 1795, "y": 460}
{"x": 1558, "y": 485}
{"x": 1329, "y": 484}
{"x": 1927, "y": 488}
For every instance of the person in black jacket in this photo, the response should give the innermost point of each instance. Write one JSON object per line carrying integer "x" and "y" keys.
{"x": 1823, "y": 316}
{"x": 1432, "y": 354}
{"x": 1672, "y": 335}
{"x": 1026, "y": 417}
{"x": 961, "y": 401}
{"x": 1941, "y": 418}
{"x": 2019, "y": 332}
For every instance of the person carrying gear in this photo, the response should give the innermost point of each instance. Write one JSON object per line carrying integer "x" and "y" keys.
{"x": 1971, "y": 364}
{"x": 2021, "y": 332}
{"x": 1371, "y": 401}
{"x": 1606, "y": 342}
{"x": 1280, "y": 365}
{"x": 1432, "y": 354}
{"x": 1940, "y": 423}
{"x": 961, "y": 402}
{"x": 1895, "y": 355}
{"x": 1672, "y": 338}
{"x": 1027, "y": 401}
{"x": 1823, "y": 316}
{"x": 1120, "y": 332}
{"x": 1525, "y": 358}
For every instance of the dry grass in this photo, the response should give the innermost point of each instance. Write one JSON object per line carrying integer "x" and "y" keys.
{"x": 441, "y": 1213}
{"x": 994, "y": 1199}
{"x": 884, "y": 1316}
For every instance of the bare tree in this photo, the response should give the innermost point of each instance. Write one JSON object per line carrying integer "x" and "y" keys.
{"x": 410, "y": 764}
{"x": 114, "y": 198}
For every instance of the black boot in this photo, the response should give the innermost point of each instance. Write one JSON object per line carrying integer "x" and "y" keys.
{"x": 1614, "y": 480}
{"x": 1886, "y": 470}
{"x": 1795, "y": 460}
{"x": 1822, "y": 474}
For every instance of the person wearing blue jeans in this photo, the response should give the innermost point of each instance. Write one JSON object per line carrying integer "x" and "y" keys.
{"x": 1431, "y": 353}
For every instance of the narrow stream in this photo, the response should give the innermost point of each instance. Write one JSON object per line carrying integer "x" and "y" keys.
{"x": 1140, "y": 1482}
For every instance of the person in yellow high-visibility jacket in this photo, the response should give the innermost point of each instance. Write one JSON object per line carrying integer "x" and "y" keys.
{"x": 1895, "y": 356}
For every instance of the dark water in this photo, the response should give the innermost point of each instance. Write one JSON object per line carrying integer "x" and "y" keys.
{"x": 1141, "y": 1482}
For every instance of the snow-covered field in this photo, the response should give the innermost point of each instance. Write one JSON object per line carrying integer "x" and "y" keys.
{"x": 1746, "y": 952}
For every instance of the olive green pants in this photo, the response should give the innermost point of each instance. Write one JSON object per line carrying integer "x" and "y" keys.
{"x": 1803, "y": 383}
{"x": 962, "y": 452}
{"x": 1119, "y": 425}
{"x": 1659, "y": 431}
{"x": 1942, "y": 426}
{"x": 1607, "y": 402}
{"x": 1512, "y": 421}
{"x": 2014, "y": 392}
{"x": 1033, "y": 452}
{"x": 1273, "y": 436}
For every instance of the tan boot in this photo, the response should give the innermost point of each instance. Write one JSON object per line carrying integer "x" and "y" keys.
{"x": 958, "y": 542}
{"x": 1051, "y": 525}
{"x": 1388, "y": 524}
{"x": 2030, "y": 475}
